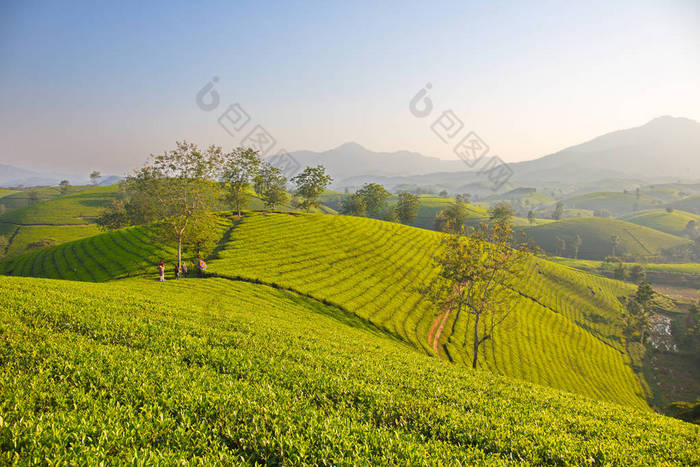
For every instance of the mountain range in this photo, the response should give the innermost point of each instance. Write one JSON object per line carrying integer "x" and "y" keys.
{"x": 666, "y": 149}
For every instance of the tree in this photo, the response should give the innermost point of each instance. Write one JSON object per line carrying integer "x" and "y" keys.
{"x": 558, "y": 211}
{"x": 65, "y": 186}
{"x": 465, "y": 197}
{"x": 690, "y": 228}
{"x": 375, "y": 197}
{"x": 174, "y": 191}
{"x": 353, "y": 205}
{"x": 238, "y": 168}
{"x": 578, "y": 241}
{"x": 638, "y": 308}
{"x": 443, "y": 194}
{"x": 621, "y": 272}
{"x": 310, "y": 184}
{"x": 115, "y": 216}
{"x": 407, "y": 207}
{"x": 531, "y": 217}
{"x": 453, "y": 217}
{"x": 669, "y": 209}
{"x": 561, "y": 246}
{"x": 271, "y": 186}
{"x": 202, "y": 239}
{"x": 614, "y": 243}
{"x": 476, "y": 276}
{"x": 95, "y": 177}
{"x": 637, "y": 273}
{"x": 502, "y": 213}
{"x": 602, "y": 213}
{"x": 33, "y": 197}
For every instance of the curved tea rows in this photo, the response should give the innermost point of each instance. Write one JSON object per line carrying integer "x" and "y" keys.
{"x": 567, "y": 333}
{"x": 216, "y": 372}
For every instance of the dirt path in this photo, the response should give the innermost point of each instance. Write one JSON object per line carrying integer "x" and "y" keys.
{"x": 436, "y": 330}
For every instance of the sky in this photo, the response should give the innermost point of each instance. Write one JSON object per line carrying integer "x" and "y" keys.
{"x": 101, "y": 85}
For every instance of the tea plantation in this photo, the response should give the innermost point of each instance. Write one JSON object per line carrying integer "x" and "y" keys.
{"x": 220, "y": 372}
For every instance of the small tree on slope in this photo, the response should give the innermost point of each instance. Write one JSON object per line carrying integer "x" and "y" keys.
{"x": 476, "y": 272}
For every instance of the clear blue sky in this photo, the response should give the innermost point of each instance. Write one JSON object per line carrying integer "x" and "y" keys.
{"x": 101, "y": 85}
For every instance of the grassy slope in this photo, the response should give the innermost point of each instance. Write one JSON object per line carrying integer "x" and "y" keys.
{"x": 566, "y": 336}
{"x": 673, "y": 223}
{"x": 617, "y": 203}
{"x": 219, "y": 372}
{"x": 596, "y": 232}
{"x": 72, "y": 217}
{"x": 377, "y": 269}
{"x": 691, "y": 204}
{"x": 17, "y": 199}
{"x": 430, "y": 207}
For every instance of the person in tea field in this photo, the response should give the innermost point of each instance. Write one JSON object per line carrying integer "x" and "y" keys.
{"x": 184, "y": 269}
{"x": 177, "y": 271}
{"x": 202, "y": 266}
{"x": 161, "y": 269}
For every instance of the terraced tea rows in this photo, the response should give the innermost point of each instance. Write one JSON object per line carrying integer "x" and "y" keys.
{"x": 377, "y": 270}
{"x": 99, "y": 258}
{"x": 217, "y": 372}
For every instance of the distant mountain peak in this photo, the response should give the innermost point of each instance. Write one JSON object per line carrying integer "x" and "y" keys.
{"x": 669, "y": 120}
{"x": 350, "y": 146}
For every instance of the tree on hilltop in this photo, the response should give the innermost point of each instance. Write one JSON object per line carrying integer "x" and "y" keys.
{"x": 407, "y": 207}
{"x": 65, "y": 186}
{"x": 238, "y": 169}
{"x": 95, "y": 177}
{"x": 175, "y": 191}
{"x": 310, "y": 184}
{"x": 375, "y": 197}
{"x": 558, "y": 211}
{"x": 353, "y": 205}
{"x": 271, "y": 186}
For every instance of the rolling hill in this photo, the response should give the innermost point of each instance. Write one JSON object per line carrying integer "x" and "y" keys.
{"x": 617, "y": 203}
{"x": 596, "y": 233}
{"x": 673, "y": 223}
{"x": 214, "y": 371}
{"x": 376, "y": 270}
{"x": 690, "y": 204}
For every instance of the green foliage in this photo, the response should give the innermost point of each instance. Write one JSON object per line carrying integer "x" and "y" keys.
{"x": 476, "y": 276}
{"x": 215, "y": 372}
{"x": 375, "y": 198}
{"x": 65, "y": 187}
{"x": 558, "y": 211}
{"x": 238, "y": 169}
{"x": 311, "y": 182}
{"x": 637, "y": 273}
{"x": 353, "y": 205}
{"x": 270, "y": 185}
{"x": 407, "y": 207}
{"x": 176, "y": 193}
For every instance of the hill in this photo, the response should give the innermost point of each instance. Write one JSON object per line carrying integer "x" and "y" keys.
{"x": 596, "y": 233}
{"x": 673, "y": 223}
{"x": 61, "y": 219}
{"x": 690, "y": 204}
{"x": 224, "y": 372}
{"x": 376, "y": 270}
{"x": 617, "y": 203}
{"x": 55, "y": 220}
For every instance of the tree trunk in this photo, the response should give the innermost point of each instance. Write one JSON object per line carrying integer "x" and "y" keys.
{"x": 476, "y": 339}
{"x": 179, "y": 252}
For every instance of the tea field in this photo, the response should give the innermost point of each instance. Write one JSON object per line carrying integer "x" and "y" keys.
{"x": 220, "y": 372}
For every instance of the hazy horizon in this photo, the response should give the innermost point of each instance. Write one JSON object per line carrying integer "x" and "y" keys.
{"x": 102, "y": 87}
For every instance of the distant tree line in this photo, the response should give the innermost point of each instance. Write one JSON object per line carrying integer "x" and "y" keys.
{"x": 372, "y": 201}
